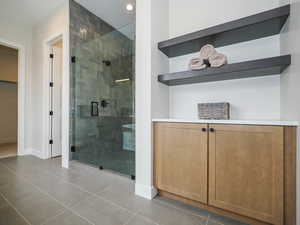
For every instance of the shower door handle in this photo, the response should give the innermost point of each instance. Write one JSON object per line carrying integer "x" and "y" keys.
{"x": 94, "y": 109}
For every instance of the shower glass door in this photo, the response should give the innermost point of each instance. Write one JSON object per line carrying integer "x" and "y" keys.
{"x": 103, "y": 101}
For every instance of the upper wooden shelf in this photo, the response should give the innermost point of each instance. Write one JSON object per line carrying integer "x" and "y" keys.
{"x": 253, "y": 27}
{"x": 254, "y": 68}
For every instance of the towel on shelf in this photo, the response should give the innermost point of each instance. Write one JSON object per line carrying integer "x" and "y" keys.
{"x": 208, "y": 57}
{"x": 207, "y": 51}
{"x": 196, "y": 64}
{"x": 217, "y": 60}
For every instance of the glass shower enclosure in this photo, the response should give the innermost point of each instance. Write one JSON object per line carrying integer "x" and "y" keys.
{"x": 102, "y": 98}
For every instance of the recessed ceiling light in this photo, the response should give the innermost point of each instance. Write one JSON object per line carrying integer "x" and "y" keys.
{"x": 129, "y": 7}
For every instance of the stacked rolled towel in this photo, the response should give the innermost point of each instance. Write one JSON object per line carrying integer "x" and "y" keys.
{"x": 196, "y": 64}
{"x": 217, "y": 60}
{"x": 207, "y": 51}
{"x": 208, "y": 57}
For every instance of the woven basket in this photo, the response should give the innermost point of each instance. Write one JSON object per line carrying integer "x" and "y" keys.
{"x": 214, "y": 111}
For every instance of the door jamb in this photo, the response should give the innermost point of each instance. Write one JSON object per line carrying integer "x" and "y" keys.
{"x": 64, "y": 97}
{"x": 21, "y": 93}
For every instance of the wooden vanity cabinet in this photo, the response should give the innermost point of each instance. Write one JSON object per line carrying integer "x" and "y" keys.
{"x": 244, "y": 172}
{"x": 181, "y": 159}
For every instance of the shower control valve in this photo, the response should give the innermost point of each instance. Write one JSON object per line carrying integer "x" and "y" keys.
{"x": 104, "y": 103}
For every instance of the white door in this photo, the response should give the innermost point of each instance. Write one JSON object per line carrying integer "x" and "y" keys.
{"x": 56, "y": 101}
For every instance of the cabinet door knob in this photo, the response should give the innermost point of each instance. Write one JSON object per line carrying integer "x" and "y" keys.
{"x": 204, "y": 129}
{"x": 212, "y": 130}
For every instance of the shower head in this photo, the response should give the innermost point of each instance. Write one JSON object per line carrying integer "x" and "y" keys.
{"x": 106, "y": 62}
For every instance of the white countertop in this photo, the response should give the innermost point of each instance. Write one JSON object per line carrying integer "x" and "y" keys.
{"x": 242, "y": 122}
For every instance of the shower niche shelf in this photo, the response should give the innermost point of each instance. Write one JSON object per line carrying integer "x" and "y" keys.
{"x": 255, "y": 68}
{"x": 253, "y": 27}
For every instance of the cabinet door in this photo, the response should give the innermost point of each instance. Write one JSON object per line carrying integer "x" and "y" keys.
{"x": 181, "y": 159}
{"x": 246, "y": 170}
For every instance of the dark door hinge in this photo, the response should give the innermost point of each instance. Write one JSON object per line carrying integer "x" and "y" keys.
{"x": 51, "y": 56}
{"x": 73, "y": 59}
{"x": 51, "y": 113}
{"x": 51, "y": 84}
{"x": 51, "y": 142}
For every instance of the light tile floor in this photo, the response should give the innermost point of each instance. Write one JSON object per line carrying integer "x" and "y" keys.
{"x": 40, "y": 192}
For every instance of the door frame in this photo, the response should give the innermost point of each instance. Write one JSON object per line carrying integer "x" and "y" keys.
{"x": 21, "y": 92}
{"x": 64, "y": 97}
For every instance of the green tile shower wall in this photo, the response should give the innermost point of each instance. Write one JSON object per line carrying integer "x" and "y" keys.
{"x": 99, "y": 140}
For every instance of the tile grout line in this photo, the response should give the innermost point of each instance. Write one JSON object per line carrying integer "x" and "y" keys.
{"x": 113, "y": 203}
{"x": 208, "y": 217}
{"x": 96, "y": 194}
{"x": 51, "y": 197}
{"x": 46, "y": 193}
{"x": 104, "y": 199}
{"x": 133, "y": 214}
{"x": 217, "y": 222}
{"x": 143, "y": 217}
{"x": 130, "y": 219}
{"x": 16, "y": 210}
{"x": 103, "y": 191}
{"x": 146, "y": 218}
{"x": 53, "y": 217}
{"x": 78, "y": 187}
{"x": 180, "y": 209}
{"x": 73, "y": 184}
{"x": 138, "y": 212}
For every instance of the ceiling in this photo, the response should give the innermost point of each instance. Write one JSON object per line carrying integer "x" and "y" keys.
{"x": 111, "y": 11}
{"x": 30, "y": 12}
{"x": 27, "y": 12}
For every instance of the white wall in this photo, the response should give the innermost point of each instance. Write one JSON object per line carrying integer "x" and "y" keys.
{"x": 159, "y": 61}
{"x": 143, "y": 186}
{"x": 248, "y": 97}
{"x": 256, "y": 98}
{"x": 55, "y": 24}
{"x": 194, "y": 15}
{"x": 160, "y": 20}
{"x": 151, "y": 97}
{"x": 290, "y": 80}
{"x": 21, "y": 36}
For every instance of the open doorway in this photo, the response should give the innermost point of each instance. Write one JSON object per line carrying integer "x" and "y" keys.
{"x": 55, "y": 106}
{"x": 9, "y": 101}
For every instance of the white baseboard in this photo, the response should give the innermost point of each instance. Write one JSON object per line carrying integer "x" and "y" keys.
{"x": 65, "y": 163}
{"x": 25, "y": 151}
{"x": 34, "y": 152}
{"x": 148, "y": 192}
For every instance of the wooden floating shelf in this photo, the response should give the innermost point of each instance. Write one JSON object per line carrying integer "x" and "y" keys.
{"x": 255, "y": 68}
{"x": 253, "y": 27}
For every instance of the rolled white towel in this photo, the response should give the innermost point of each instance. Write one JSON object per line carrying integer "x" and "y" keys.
{"x": 207, "y": 51}
{"x": 217, "y": 60}
{"x": 196, "y": 64}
